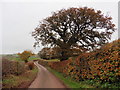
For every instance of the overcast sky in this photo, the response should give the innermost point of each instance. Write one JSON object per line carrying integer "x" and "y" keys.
{"x": 19, "y": 19}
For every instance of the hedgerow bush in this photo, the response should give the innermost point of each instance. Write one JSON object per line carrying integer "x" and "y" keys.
{"x": 12, "y": 67}
{"x": 105, "y": 63}
{"x": 31, "y": 65}
{"x": 102, "y": 65}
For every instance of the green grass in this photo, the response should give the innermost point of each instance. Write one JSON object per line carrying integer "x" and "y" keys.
{"x": 69, "y": 82}
{"x": 33, "y": 58}
{"x": 15, "y": 81}
{"x": 52, "y": 60}
{"x": 83, "y": 84}
{"x": 12, "y": 57}
{"x": 17, "y": 58}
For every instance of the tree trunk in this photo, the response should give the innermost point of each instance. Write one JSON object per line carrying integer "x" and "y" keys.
{"x": 63, "y": 55}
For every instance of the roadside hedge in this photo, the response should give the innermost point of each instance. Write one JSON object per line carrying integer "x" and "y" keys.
{"x": 102, "y": 65}
{"x": 12, "y": 67}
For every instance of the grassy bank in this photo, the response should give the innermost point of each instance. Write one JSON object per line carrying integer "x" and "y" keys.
{"x": 51, "y": 60}
{"x": 81, "y": 84}
{"x": 69, "y": 82}
{"x": 21, "y": 81}
{"x": 99, "y": 68}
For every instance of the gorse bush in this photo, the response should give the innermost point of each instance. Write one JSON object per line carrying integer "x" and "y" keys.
{"x": 102, "y": 65}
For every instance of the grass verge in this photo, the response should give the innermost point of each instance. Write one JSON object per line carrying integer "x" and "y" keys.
{"x": 68, "y": 81}
{"x": 52, "y": 60}
{"x": 82, "y": 84}
{"x": 21, "y": 81}
{"x": 33, "y": 58}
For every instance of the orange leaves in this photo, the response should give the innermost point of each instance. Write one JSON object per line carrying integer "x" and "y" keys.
{"x": 25, "y": 55}
{"x": 102, "y": 65}
{"x": 107, "y": 66}
{"x": 83, "y": 26}
{"x": 31, "y": 65}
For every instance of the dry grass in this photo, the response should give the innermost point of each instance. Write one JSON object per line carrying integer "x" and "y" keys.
{"x": 12, "y": 67}
{"x": 17, "y": 74}
{"x": 21, "y": 81}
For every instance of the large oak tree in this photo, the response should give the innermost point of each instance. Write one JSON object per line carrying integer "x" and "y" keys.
{"x": 85, "y": 27}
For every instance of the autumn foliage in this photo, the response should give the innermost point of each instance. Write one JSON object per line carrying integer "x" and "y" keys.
{"x": 25, "y": 55}
{"x": 30, "y": 65}
{"x": 84, "y": 27}
{"x": 102, "y": 65}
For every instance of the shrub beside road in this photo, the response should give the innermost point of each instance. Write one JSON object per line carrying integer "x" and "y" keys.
{"x": 17, "y": 74}
{"x": 100, "y": 68}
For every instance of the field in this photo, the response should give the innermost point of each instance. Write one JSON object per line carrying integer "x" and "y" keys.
{"x": 15, "y": 57}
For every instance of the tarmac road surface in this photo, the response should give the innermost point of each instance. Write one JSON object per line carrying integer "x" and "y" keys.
{"x": 46, "y": 79}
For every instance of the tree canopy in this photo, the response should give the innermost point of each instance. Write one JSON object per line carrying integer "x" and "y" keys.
{"x": 25, "y": 55}
{"x": 84, "y": 27}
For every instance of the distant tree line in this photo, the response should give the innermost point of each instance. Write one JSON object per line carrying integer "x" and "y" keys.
{"x": 55, "y": 53}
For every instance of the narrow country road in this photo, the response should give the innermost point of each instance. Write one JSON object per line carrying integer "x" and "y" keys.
{"x": 45, "y": 79}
